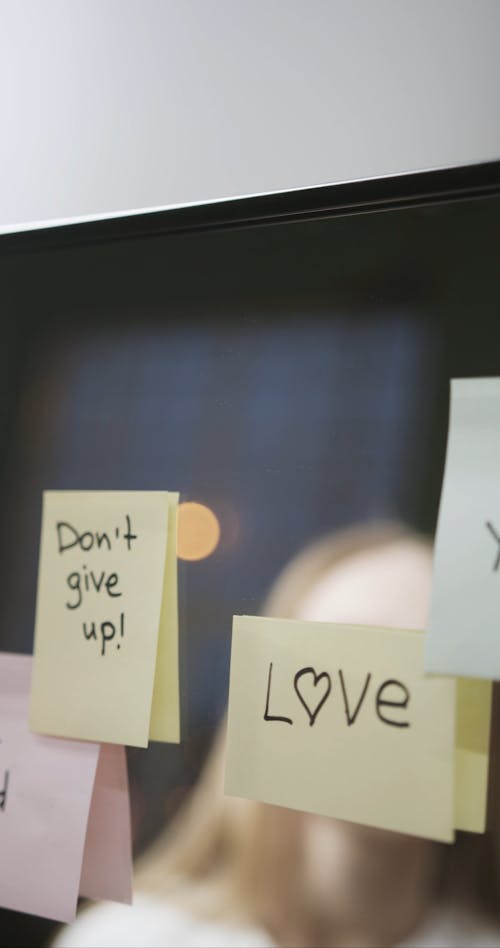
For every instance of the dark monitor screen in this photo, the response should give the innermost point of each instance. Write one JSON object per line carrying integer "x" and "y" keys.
{"x": 293, "y": 378}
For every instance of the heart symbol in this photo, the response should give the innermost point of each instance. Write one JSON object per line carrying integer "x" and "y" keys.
{"x": 323, "y": 676}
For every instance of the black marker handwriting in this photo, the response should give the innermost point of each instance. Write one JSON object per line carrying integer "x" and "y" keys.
{"x": 314, "y": 689}
{"x": 3, "y": 792}
{"x": 105, "y": 632}
{"x": 489, "y": 526}
{"x": 322, "y": 694}
{"x": 68, "y": 537}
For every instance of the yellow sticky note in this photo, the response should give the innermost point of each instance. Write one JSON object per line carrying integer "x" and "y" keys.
{"x": 472, "y": 753}
{"x": 339, "y": 720}
{"x": 106, "y": 618}
{"x": 165, "y": 720}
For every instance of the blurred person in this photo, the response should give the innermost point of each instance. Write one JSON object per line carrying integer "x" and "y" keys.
{"x": 232, "y": 872}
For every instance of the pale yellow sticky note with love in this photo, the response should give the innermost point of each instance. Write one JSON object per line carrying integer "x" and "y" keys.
{"x": 106, "y": 633}
{"x": 340, "y": 720}
{"x": 472, "y": 753}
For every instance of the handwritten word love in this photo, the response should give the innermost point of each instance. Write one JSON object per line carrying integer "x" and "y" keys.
{"x": 313, "y": 690}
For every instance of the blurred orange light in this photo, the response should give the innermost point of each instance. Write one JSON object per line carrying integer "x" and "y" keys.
{"x": 198, "y": 531}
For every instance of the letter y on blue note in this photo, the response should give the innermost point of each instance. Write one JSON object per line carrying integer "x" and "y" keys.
{"x": 464, "y": 621}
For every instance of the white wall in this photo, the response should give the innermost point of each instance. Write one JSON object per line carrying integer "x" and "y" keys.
{"x": 108, "y": 105}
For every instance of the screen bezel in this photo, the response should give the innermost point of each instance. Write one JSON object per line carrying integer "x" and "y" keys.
{"x": 406, "y": 190}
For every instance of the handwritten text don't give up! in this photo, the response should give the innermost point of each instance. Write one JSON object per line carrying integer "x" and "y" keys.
{"x": 102, "y": 612}
{"x": 85, "y": 580}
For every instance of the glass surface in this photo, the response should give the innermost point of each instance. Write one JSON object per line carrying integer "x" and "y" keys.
{"x": 293, "y": 379}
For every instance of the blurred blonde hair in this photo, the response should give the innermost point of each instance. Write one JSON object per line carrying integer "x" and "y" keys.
{"x": 223, "y": 857}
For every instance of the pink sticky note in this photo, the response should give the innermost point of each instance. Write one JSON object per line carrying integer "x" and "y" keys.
{"x": 107, "y": 861}
{"x": 47, "y": 786}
